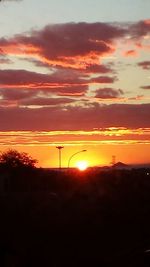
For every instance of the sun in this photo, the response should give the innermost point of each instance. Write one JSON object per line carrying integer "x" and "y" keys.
{"x": 82, "y": 165}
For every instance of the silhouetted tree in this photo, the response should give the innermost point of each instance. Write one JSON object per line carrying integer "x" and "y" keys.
{"x": 14, "y": 159}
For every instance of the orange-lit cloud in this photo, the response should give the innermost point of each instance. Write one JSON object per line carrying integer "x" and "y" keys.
{"x": 77, "y": 50}
{"x": 131, "y": 53}
{"x": 110, "y": 135}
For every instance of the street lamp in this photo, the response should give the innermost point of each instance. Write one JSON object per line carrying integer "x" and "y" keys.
{"x": 59, "y": 148}
{"x": 84, "y": 150}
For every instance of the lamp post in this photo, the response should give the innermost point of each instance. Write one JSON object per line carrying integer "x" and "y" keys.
{"x": 59, "y": 149}
{"x": 84, "y": 150}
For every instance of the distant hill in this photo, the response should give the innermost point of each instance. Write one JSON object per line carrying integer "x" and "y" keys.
{"x": 121, "y": 165}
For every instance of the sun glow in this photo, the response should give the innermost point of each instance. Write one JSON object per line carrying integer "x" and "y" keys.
{"x": 82, "y": 165}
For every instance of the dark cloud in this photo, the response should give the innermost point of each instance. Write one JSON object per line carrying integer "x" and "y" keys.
{"x": 139, "y": 29}
{"x": 70, "y": 44}
{"x": 103, "y": 79}
{"x": 74, "y": 45}
{"x": 146, "y": 87}
{"x": 17, "y": 94}
{"x": 145, "y": 65}
{"x": 75, "y": 39}
{"x": 95, "y": 68}
{"x": 108, "y": 93}
{"x": 24, "y": 77}
{"x": 70, "y": 90}
{"x": 21, "y": 77}
{"x": 40, "y": 97}
{"x": 61, "y": 81}
{"x": 41, "y": 101}
{"x": 75, "y": 118}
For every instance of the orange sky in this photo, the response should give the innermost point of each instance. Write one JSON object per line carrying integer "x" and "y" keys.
{"x": 129, "y": 146}
{"x": 96, "y": 154}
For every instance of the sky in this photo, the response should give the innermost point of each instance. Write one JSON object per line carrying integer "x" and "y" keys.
{"x": 77, "y": 74}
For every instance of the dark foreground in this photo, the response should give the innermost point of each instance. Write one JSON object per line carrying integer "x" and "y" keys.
{"x": 89, "y": 219}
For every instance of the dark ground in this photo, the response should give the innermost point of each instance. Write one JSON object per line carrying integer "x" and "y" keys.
{"x": 72, "y": 219}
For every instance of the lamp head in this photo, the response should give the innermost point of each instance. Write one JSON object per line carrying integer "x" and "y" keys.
{"x": 59, "y": 147}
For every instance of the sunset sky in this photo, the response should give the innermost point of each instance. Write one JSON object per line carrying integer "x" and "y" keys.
{"x": 75, "y": 73}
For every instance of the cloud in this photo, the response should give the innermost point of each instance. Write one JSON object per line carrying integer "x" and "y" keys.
{"x": 4, "y": 60}
{"x": 75, "y": 45}
{"x": 89, "y": 68}
{"x": 145, "y": 65}
{"x": 39, "y": 97}
{"x": 146, "y": 87}
{"x": 74, "y": 118}
{"x": 103, "y": 79}
{"x": 17, "y": 94}
{"x": 140, "y": 29}
{"x": 108, "y": 93}
{"x": 75, "y": 91}
{"x": 29, "y": 78}
{"x": 61, "y": 82}
{"x": 95, "y": 68}
{"x": 120, "y": 135}
{"x": 130, "y": 53}
{"x": 137, "y": 98}
{"x": 41, "y": 101}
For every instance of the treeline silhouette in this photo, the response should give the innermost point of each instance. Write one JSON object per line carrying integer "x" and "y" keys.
{"x": 72, "y": 218}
